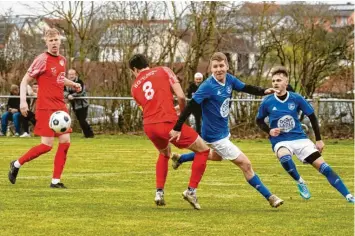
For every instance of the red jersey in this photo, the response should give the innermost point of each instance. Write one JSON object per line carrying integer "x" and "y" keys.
{"x": 49, "y": 71}
{"x": 152, "y": 90}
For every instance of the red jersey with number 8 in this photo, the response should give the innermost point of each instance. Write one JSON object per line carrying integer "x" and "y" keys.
{"x": 152, "y": 90}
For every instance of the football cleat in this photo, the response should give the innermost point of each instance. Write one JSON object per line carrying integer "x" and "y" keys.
{"x": 58, "y": 185}
{"x": 13, "y": 172}
{"x": 175, "y": 159}
{"x": 304, "y": 191}
{"x": 159, "y": 198}
{"x": 191, "y": 198}
{"x": 350, "y": 198}
{"x": 275, "y": 201}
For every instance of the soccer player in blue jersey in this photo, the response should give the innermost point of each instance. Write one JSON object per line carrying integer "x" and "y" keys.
{"x": 287, "y": 136}
{"x": 214, "y": 96}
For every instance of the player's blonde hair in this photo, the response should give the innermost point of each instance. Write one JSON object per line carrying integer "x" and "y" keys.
{"x": 51, "y": 32}
{"x": 218, "y": 56}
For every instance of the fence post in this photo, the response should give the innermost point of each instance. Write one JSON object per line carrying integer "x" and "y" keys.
{"x": 316, "y": 106}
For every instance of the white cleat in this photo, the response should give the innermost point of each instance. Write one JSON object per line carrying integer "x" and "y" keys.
{"x": 159, "y": 198}
{"x": 191, "y": 198}
{"x": 275, "y": 201}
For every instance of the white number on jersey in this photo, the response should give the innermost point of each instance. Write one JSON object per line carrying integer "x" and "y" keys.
{"x": 148, "y": 90}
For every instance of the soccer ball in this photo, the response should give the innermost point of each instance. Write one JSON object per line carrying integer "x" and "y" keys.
{"x": 59, "y": 122}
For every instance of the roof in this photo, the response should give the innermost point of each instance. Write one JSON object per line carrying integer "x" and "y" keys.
{"x": 339, "y": 84}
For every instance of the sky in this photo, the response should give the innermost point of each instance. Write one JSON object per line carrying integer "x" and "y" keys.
{"x": 18, "y": 7}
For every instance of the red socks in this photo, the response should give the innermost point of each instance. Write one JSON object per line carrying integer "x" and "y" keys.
{"x": 198, "y": 168}
{"x": 34, "y": 153}
{"x": 59, "y": 160}
{"x": 161, "y": 171}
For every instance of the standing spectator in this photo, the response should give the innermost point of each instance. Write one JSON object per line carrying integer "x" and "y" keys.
{"x": 31, "y": 91}
{"x": 12, "y": 113}
{"x": 198, "y": 78}
{"x": 80, "y": 106}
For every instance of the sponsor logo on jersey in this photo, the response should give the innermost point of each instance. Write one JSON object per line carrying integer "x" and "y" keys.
{"x": 291, "y": 106}
{"x": 286, "y": 123}
{"x": 224, "y": 110}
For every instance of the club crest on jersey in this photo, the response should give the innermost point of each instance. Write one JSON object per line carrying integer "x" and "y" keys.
{"x": 291, "y": 106}
{"x": 61, "y": 62}
{"x": 229, "y": 89}
{"x": 54, "y": 71}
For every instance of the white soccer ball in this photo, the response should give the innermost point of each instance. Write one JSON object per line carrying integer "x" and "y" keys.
{"x": 60, "y": 121}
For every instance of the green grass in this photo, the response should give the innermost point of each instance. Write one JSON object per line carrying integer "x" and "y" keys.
{"x": 111, "y": 182}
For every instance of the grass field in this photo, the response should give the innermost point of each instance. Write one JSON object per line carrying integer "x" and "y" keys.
{"x": 111, "y": 186}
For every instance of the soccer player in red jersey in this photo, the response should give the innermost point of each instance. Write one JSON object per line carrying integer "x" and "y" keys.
{"x": 152, "y": 90}
{"x": 49, "y": 71}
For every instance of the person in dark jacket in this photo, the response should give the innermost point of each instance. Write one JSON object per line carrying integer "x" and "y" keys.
{"x": 13, "y": 112}
{"x": 198, "y": 78}
{"x": 80, "y": 106}
{"x": 31, "y": 117}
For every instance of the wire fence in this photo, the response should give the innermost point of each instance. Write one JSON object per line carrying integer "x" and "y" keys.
{"x": 121, "y": 114}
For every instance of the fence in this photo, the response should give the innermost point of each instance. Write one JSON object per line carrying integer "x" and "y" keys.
{"x": 121, "y": 114}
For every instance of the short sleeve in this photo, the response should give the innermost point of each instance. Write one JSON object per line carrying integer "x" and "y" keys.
{"x": 171, "y": 75}
{"x": 203, "y": 92}
{"x": 38, "y": 66}
{"x": 236, "y": 83}
{"x": 262, "y": 112}
{"x": 304, "y": 105}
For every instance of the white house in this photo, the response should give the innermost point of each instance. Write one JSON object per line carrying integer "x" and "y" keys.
{"x": 150, "y": 37}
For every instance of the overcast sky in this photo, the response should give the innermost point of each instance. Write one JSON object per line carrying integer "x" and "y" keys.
{"x": 18, "y": 7}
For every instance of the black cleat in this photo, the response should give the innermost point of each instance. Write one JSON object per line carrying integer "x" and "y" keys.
{"x": 13, "y": 172}
{"x": 58, "y": 185}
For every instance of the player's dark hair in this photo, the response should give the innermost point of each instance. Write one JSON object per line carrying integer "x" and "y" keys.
{"x": 279, "y": 70}
{"x": 138, "y": 61}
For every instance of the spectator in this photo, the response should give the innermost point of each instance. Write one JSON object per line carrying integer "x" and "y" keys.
{"x": 13, "y": 112}
{"x": 198, "y": 78}
{"x": 80, "y": 106}
{"x": 31, "y": 91}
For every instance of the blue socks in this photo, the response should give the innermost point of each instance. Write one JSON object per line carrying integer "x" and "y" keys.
{"x": 288, "y": 164}
{"x": 258, "y": 185}
{"x": 333, "y": 179}
{"x": 187, "y": 157}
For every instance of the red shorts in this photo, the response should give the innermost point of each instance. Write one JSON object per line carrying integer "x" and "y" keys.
{"x": 42, "y": 123}
{"x": 159, "y": 134}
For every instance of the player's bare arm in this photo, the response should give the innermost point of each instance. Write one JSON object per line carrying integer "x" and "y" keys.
{"x": 23, "y": 92}
{"x": 180, "y": 95}
{"x": 68, "y": 82}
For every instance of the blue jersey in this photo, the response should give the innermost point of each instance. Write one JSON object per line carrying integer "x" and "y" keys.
{"x": 284, "y": 115}
{"x": 214, "y": 98}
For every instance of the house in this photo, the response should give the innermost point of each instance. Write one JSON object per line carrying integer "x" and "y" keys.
{"x": 151, "y": 37}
